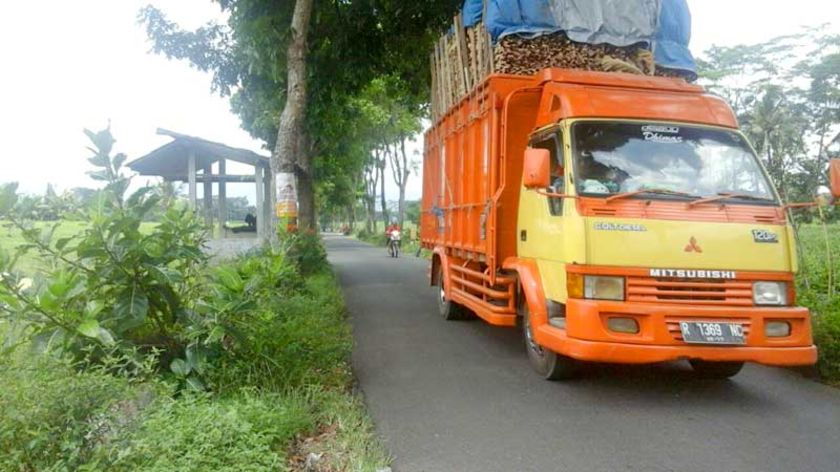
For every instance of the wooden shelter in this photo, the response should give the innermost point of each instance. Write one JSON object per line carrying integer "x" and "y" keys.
{"x": 192, "y": 160}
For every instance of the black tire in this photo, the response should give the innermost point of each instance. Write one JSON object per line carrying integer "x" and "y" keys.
{"x": 549, "y": 364}
{"x": 449, "y": 310}
{"x": 716, "y": 370}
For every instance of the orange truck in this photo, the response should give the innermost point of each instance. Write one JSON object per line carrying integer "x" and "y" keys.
{"x": 614, "y": 218}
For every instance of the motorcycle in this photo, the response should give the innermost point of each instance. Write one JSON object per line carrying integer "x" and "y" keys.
{"x": 394, "y": 238}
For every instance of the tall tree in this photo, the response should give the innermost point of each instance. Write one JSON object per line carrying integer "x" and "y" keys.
{"x": 789, "y": 107}
{"x": 290, "y": 159}
{"x": 350, "y": 42}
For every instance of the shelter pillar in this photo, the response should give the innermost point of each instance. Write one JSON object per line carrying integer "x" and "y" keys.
{"x": 222, "y": 197}
{"x": 191, "y": 179}
{"x": 208, "y": 195}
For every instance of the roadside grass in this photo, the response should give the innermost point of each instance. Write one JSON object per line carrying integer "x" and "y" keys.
{"x": 818, "y": 288}
{"x": 271, "y": 400}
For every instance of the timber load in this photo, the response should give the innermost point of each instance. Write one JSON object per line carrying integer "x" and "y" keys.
{"x": 482, "y": 41}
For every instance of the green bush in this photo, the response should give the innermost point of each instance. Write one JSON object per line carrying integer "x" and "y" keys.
{"x": 111, "y": 287}
{"x": 288, "y": 341}
{"x": 305, "y": 251}
{"x": 245, "y": 432}
{"x": 818, "y": 288}
{"x": 50, "y": 412}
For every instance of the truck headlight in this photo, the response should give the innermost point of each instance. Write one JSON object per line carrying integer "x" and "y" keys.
{"x": 597, "y": 287}
{"x": 770, "y": 293}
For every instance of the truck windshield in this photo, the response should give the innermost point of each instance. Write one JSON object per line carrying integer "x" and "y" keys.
{"x": 672, "y": 161}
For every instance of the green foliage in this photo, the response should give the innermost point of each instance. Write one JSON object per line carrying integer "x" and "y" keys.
{"x": 111, "y": 287}
{"x": 818, "y": 288}
{"x": 201, "y": 433}
{"x": 353, "y": 46}
{"x": 785, "y": 93}
{"x": 50, "y": 412}
{"x": 305, "y": 251}
{"x": 290, "y": 340}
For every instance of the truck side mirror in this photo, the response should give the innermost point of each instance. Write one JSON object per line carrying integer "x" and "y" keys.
{"x": 537, "y": 168}
{"x": 834, "y": 178}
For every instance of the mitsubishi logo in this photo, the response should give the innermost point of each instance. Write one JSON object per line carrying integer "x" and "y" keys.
{"x": 693, "y": 246}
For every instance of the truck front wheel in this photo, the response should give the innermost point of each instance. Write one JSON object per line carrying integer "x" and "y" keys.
{"x": 449, "y": 310}
{"x": 549, "y": 364}
{"x": 716, "y": 370}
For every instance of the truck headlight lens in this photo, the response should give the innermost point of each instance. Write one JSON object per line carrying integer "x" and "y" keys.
{"x": 770, "y": 293}
{"x": 596, "y": 287}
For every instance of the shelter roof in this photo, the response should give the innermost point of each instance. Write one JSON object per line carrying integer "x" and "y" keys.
{"x": 171, "y": 160}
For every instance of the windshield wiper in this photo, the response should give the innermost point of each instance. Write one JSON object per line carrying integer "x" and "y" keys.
{"x": 728, "y": 196}
{"x": 654, "y": 191}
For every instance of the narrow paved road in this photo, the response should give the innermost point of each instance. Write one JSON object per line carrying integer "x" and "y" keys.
{"x": 460, "y": 396}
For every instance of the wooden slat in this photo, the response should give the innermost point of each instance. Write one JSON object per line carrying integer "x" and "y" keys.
{"x": 461, "y": 44}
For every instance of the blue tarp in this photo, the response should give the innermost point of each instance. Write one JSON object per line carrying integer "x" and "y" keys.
{"x": 670, "y": 48}
{"x": 664, "y": 23}
{"x": 473, "y": 9}
{"x": 617, "y": 22}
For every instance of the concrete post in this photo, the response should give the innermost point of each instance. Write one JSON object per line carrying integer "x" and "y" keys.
{"x": 222, "y": 197}
{"x": 208, "y": 195}
{"x": 191, "y": 179}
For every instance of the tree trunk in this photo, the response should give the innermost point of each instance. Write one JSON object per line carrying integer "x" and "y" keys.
{"x": 380, "y": 162}
{"x": 406, "y": 172}
{"x": 290, "y": 156}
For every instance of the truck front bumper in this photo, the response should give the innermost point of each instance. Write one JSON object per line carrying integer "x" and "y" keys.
{"x": 588, "y": 338}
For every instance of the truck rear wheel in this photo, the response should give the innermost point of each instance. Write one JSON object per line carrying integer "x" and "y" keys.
{"x": 449, "y": 310}
{"x": 549, "y": 364}
{"x": 716, "y": 370}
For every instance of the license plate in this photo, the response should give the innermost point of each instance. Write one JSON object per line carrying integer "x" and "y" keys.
{"x": 702, "y": 332}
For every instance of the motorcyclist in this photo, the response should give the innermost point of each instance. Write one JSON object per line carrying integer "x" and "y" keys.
{"x": 390, "y": 230}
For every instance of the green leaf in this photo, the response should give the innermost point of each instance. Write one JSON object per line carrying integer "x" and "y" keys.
{"x": 136, "y": 304}
{"x": 62, "y": 243}
{"x": 93, "y": 308}
{"x": 179, "y": 367}
{"x": 119, "y": 160}
{"x": 196, "y": 358}
{"x": 105, "y": 337}
{"x": 216, "y": 335}
{"x": 101, "y": 175}
{"x": 229, "y": 277}
{"x": 195, "y": 385}
{"x": 89, "y": 328}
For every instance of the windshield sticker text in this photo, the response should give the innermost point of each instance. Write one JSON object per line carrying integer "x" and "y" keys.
{"x": 660, "y": 138}
{"x": 661, "y": 129}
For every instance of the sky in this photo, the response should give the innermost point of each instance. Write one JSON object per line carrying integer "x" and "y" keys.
{"x": 67, "y": 66}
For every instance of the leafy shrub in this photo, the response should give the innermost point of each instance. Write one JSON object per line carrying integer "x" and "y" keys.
{"x": 112, "y": 287}
{"x": 289, "y": 341}
{"x": 818, "y": 288}
{"x": 48, "y": 411}
{"x": 245, "y": 432}
{"x": 305, "y": 251}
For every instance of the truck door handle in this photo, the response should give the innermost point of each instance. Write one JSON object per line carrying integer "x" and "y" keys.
{"x": 523, "y": 235}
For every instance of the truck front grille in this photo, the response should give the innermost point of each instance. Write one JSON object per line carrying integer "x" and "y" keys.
{"x": 693, "y": 291}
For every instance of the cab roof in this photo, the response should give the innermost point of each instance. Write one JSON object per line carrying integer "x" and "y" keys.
{"x": 586, "y": 94}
